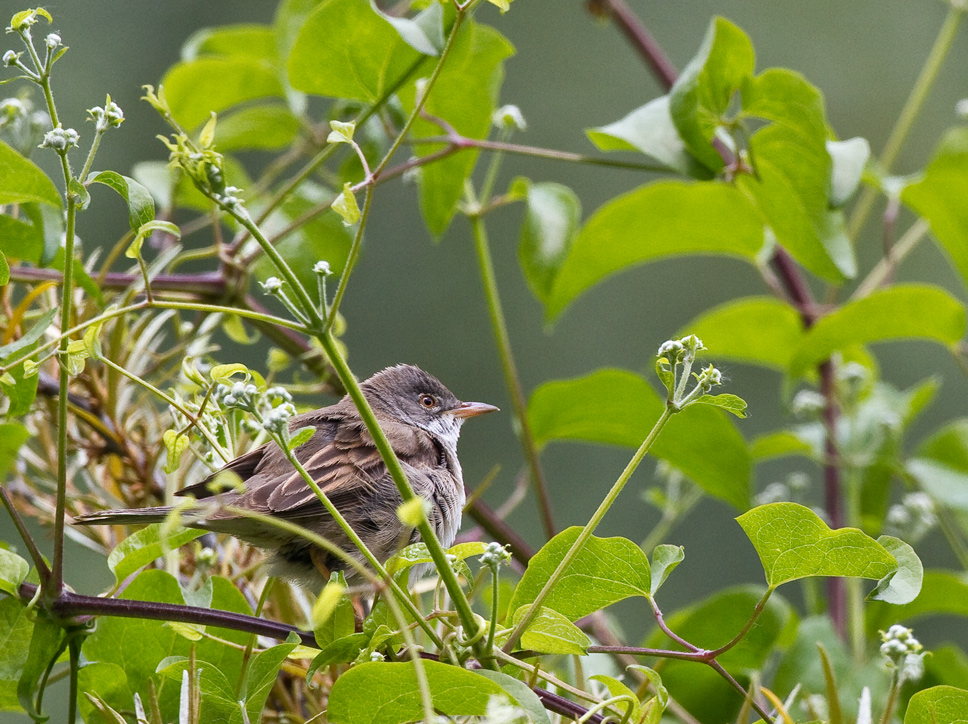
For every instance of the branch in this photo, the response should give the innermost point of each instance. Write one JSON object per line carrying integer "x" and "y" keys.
{"x": 71, "y": 605}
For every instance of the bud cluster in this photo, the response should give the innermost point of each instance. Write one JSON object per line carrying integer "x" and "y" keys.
{"x": 60, "y": 139}
{"x": 903, "y": 652}
{"x": 110, "y": 116}
{"x": 495, "y": 555}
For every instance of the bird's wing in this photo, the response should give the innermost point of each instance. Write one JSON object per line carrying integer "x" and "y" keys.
{"x": 244, "y": 466}
{"x": 344, "y": 462}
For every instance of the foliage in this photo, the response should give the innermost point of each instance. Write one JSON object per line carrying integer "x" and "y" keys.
{"x": 142, "y": 404}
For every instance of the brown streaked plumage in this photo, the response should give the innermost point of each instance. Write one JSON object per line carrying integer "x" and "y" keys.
{"x": 420, "y": 417}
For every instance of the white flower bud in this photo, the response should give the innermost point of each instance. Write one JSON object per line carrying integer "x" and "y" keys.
{"x": 509, "y": 117}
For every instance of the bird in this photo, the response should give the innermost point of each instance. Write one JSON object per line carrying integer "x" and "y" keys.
{"x": 421, "y": 419}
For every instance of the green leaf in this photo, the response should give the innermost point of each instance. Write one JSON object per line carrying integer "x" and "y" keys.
{"x": 12, "y": 436}
{"x": 340, "y": 651}
{"x": 36, "y": 332}
{"x": 45, "y": 644}
{"x": 20, "y": 388}
{"x": 790, "y": 190}
{"x": 702, "y": 94}
{"x": 665, "y": 558}
{"x": 20, "y": 240}
{"x": 13, "y": 572}
{"x": 262, "y": 127}
{"x": 345, "y": 205}
{"x": 361, "y": 62}
{"x": 939, "y": 197}
{"x": 779, "y": 444}
{"x": 196, "y": 88}
{"x": 418, "y": 553}
{"x": 108, "y": 683}
{"x": 551, "y": 633}
{"x": 175, "y": 445}
{"x": 252, "y": 40}
{"x": 629, "y": 707}
{"x": 301, "y": 436}
{"x": 333, "y": 616}
{"x": 550, "y": 227}
{"x": 222, "y": 374}
{"x": 616, "y": 407}
{"x": 938, "y": 705}
{"x": 476, "y": 60}
{"x": 941, "y": 465}
{"x": 388, "y": 693}
{"x": 900, "y": 312}
{"x": 424, "y": 33}
{"x": 146, "y": 545}
{"x": 904, "y": 585}
{"x": 219, "y": 702}
{"x": 341, "y": 133}
{"x": 849, "y": 159}
{"x": 663, "y": 219}
{"x": 605, "y": 571}
{"x": 136, "y": 644}
{"x": 731, "y": 403}
{"x": 650, "y": 129}
{"x": 261, "y": 675}
{"x": 16, "y": 630}
{"x": 755, "y": 330}
{"x": 521, "y": 694}
{"x": 146, "y": 230}
{"x": 141, "y": 206}
{"x": 793, "y": 542}
{"x": 22, "y": 181}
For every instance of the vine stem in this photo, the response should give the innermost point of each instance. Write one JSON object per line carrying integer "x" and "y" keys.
{"x": 926, "y": 78}
{"x": 511, "y": 377}
{"x": 57, "y": 564}
{"x": 586, "y": 532}
{"x": 362, "y": 547}
{"x": 427, "y": 533}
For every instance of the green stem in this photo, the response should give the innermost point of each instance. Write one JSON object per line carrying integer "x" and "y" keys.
{"x": 350, "y": 260}
{"x": 90, "y": 158}
{"x": 757, "y": 610}
{"x": 855, "y": 592}
{"x": 57, "y": 565}
{"x": 75, "y": 658}
{"x": 495, "y": 608}
{"x": 891, "y": 697}
{"x": 929, "y": 73}
{"x": 511, "y": 378}
{"x": 302, "y": 296}
{"x": 422, "y": 99}
{"x": 427, "y": 533}
{"x": 886, "y": 266}
{"x": 586, "y": 532}
{"x": 372, "y": 177}
{"x": 462, "y": 142}
{"x": 362, "y": 547}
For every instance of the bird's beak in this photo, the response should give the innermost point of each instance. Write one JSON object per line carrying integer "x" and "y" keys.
{"x": 472, "y": 409}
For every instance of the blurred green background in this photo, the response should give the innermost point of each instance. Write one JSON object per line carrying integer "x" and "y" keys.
{"x": 413, "y": 300}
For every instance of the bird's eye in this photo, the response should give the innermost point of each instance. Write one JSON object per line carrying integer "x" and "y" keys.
{"x": 428, "y": 401}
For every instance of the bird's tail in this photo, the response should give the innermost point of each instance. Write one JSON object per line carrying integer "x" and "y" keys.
{"x": 134, "y": 516}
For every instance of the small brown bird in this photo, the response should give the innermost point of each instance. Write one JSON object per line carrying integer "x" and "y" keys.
{"x": 420, "y": 417}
